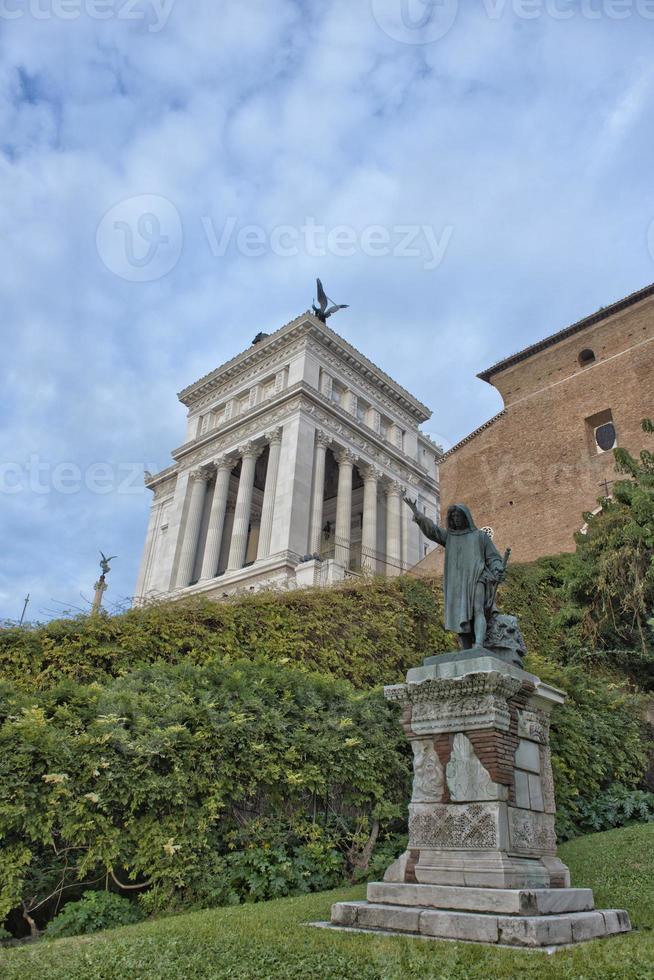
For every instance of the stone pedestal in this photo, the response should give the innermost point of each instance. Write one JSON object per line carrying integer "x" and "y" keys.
{"x": 481, "y": 863}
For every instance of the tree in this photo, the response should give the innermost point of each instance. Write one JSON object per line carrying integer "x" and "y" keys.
{"x": 612, "y": 572}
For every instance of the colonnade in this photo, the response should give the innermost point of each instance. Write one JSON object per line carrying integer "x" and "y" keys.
{"x": 374, "y": 483}
{"x": 222, "y": 509}
{"x": 222, "y": 468}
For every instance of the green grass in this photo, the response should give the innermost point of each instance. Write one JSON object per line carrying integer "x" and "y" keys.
{"x": 271, "y": 940}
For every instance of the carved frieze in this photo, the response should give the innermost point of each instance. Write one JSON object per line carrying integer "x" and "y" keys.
{"x": 241, "y": 433}
{"x": 456, "y": 826}
{"x": 446, "y": 704}
{"x": 428, "y": 782}
{"x": 533, "y": 725}
{"x": 531, "y": 832}
{"x": 467, "y": 778}
{"x": 547, "y": 780}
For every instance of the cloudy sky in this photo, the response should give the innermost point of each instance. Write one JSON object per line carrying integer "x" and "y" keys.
{"x": 175, "y": 173}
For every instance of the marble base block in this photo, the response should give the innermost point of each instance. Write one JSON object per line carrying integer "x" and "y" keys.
{"x": 532, "y": 931}
{"x": 481, "y": 864}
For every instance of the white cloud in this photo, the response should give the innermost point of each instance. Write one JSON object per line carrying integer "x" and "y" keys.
{"x": 525, "y": 137}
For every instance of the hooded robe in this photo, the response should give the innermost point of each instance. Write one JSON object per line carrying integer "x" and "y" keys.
{"x": 470, "y": 558}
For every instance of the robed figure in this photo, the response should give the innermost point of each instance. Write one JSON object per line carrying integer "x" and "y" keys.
{"x": 473, "y": 569}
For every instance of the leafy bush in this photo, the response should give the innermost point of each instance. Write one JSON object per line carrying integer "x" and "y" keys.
{"x": 190, "y": 751}
{"x": 616, "y": 807}
{"x": 368, "y": 633}
{"x": 597, "y": 738}
{"x": 241, "y": 779}
{"x": 94, "y": 911}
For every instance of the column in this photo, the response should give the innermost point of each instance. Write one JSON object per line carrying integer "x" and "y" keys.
{"x": 224, "y": 467}
{"x": 393, "y": 529}
{"x": 249, "y": 455}
{"x": 267, "y": 514}
{"x": 369, "y": 537}
{"x": 345, "y": 460}
{"x": 198, "y": 483}
{"x": 319, "y": 452}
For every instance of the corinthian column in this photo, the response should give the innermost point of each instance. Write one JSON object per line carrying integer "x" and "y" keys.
{"x": 315, "y": 535}
{"x": 267, "y": 514}
{"x": 369, "y": 536}
{"x": 224, "y": 467}
{"x": 198, "y": 484}
{"x": 345, "y": 460}
{"x": 393, "y": 529}
{"x": 238, "y": 547}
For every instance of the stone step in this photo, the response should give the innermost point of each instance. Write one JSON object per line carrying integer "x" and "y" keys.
{"x": 508, "y": 901}
{"x": 515, "y": 930}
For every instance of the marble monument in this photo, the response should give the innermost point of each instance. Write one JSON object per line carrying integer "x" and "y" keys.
{"x": 296, "y": 457}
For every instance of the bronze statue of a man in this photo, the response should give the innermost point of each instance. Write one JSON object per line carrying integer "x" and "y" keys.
{"x": 473, "y": 569}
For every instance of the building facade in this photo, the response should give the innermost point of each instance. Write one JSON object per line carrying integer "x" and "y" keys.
{"x": 532, "y": 471}
{"x": 296, "y": 455}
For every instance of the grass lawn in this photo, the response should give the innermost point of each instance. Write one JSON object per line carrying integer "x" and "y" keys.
{"x": 271, "y": 940}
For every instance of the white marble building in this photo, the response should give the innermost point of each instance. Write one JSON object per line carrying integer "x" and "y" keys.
{"x": 298, "y": 446}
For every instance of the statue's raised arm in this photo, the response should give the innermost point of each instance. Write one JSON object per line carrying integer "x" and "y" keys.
{"x": 428, "y": 528}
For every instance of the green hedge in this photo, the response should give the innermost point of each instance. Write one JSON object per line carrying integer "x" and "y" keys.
{"x": 210, "y": 783}
{"x": 368, "y": 633}
{"x": 216, "y": 752}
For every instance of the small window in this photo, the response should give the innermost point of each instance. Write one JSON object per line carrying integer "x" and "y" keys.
{"x": 606, "y": 437}
{"x": 602, "y": 433}
{"x": 586, "y": 357}
{"x": 337, "y": 393}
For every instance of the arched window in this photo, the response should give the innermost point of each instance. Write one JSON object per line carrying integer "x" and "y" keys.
{"x": 586, "y": 357}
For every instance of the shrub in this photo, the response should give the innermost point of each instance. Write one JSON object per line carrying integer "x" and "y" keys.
{"x": 179, "y": 777}
{"x": 616, "y": 807}
{"x": 94, "y": 911}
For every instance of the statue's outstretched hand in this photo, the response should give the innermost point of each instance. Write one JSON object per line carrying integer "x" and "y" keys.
{"x": 411, "y": 503}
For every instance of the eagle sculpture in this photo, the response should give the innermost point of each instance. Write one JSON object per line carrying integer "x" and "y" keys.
{"x": 324, "y": 310}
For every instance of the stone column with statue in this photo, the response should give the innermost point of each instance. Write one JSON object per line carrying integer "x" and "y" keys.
{"x": 481, "y": 862}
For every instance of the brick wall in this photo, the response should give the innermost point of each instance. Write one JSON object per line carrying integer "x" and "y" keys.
{"x": 533, "y": 472}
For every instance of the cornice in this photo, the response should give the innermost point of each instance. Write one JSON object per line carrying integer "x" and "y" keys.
{"x": 189, "y": 395}
{"x": 341, "y": 431}
{"x": 155, "y": 481}
{"x": 334, "y": 420}
{"x": 227, "y": 376}
{"x": 365, "y": 369}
